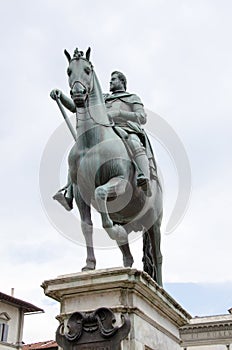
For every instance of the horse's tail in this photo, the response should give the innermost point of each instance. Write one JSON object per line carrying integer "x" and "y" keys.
{"x": 152, "y": 257}
{"x": 148, "y": 265}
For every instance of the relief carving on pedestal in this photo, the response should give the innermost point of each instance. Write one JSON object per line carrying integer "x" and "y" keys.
{"x": 92, "y": 331}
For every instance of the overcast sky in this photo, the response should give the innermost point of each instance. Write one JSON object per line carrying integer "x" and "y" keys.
{"x": 177, "y": 57}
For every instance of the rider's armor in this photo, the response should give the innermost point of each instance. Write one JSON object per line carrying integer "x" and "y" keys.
{"x": 128, "y": 113}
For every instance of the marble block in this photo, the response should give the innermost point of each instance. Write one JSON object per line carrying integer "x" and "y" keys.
{"x": 154, "y": 315}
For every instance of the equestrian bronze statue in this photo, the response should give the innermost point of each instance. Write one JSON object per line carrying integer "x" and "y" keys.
{"x": 111, "y": 165}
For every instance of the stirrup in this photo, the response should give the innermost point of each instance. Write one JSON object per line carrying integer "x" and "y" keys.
{"x": 144, "y": 183}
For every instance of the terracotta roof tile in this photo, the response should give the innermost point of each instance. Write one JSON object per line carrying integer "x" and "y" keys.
{"x": 41, "y": 345}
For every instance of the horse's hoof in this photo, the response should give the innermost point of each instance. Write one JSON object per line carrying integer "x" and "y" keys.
{"x": 86, "y": 268}
{"x": 118, "y": 233}
{"x": 128, "y": 262}
{"x": 89, "y": 267}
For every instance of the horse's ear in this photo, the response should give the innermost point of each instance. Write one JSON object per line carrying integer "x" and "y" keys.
{"x": 67, "y": 55}
{"x": 87, "y": 55}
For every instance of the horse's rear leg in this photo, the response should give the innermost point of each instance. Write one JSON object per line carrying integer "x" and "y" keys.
{"x": 87, "y": 229}
{"x": 126, "y": 253}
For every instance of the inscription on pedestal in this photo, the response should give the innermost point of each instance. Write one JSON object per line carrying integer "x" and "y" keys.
{"x": 92, "y": 331}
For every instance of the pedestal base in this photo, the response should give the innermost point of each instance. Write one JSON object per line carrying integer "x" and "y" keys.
{"x": 154, "y": 315}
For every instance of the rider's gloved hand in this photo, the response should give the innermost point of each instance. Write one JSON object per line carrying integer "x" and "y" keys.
{"x": 55, "y": 93}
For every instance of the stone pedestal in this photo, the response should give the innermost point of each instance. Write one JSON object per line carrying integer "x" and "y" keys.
{"x": 154, "y": 315}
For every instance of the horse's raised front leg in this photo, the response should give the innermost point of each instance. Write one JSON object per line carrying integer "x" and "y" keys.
{"x": 87, "y": 229}
{"x": 113, "y": 187}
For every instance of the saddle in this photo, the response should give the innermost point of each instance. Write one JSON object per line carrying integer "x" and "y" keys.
{"x": 123, "y": 134}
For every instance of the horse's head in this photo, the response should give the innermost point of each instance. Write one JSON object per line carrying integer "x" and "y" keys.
{"x": 80, "y": 73}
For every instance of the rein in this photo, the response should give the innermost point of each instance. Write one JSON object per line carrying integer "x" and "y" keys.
{"x": 91, "y": 117}
{"x": 111, "y": 123}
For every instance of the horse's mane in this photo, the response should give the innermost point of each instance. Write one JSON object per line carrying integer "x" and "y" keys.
{"x": 96, "y": 102}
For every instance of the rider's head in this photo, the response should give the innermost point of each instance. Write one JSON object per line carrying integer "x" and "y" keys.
{"x": 118, "y": 81}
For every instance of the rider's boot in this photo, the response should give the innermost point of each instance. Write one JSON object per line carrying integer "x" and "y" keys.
{"x": 143, "y": 178}
{"x": 66, "y": 198}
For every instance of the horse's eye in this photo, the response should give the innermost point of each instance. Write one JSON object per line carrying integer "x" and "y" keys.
{"x": 69, "y": 72}
{"x": 87, "y": 70}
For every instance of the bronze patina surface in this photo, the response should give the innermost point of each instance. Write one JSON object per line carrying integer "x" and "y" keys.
{"x": 111, "y": 165}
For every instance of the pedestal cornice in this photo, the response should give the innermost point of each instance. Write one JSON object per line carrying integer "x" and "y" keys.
{"x": 125, "y": 279}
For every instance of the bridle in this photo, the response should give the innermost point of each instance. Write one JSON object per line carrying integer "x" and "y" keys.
{"x": 78, "y": 81}
{"x": 88, "y": 90}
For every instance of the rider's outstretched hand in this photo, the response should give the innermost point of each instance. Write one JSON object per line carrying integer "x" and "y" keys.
{"x": 55, "y": 93}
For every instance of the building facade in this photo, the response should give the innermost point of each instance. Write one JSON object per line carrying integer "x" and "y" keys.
{"x": 207, "y": 333}
{"x": 12, "y": 311}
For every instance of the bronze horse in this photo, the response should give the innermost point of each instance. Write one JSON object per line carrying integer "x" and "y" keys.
{"x": 103, "y": 175}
